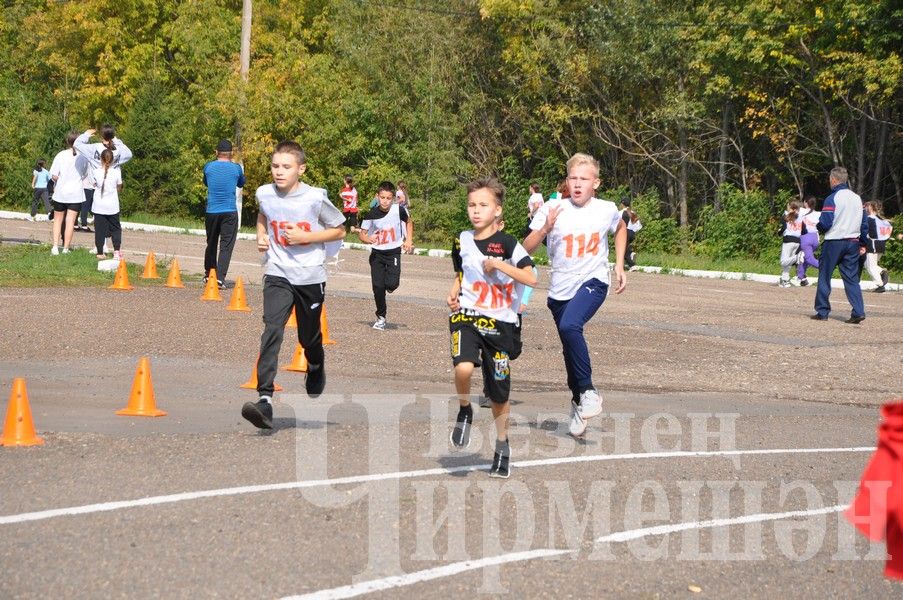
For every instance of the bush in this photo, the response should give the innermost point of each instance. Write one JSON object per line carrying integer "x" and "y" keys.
{"x": 893, "y": 257}
{"x": 747, "y": 226}
{"x": 659, "y": 234}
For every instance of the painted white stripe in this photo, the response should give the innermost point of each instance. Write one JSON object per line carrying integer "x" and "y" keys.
{"x": 635, "y": 534}
{"x": 294, "y": 485}
{"x": 377, "y": 585}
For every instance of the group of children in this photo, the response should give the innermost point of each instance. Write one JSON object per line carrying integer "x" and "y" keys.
{"x": 800, "y": 239}
{"x": 492, "y": 275}
{"x": 83, "y": 173}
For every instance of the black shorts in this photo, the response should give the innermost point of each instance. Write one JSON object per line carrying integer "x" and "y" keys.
{"x": 60, "y": 207}
{"x": 477, "y": 339}
{"x": 385, "y": 269}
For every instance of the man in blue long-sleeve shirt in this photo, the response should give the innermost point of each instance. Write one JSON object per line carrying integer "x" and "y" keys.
{"x": 843, "y": 223}
{"x": 222, "y": 177}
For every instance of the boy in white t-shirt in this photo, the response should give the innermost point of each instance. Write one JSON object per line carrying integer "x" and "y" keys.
{"x": 577, "y": 229}
{"x": 293, "y": 226}
{"x": 491, "y": 270}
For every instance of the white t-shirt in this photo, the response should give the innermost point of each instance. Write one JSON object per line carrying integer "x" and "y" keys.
{"x": 388, "y": 229}
{"x": 309, "y": 208}
{"x": 69, "y": 169}
{"x": 810, "y": 219}
{"x": 495, "y": 295}
{"x": 578, "y": 243}
{"x": 106, "y": 191}
{"x": 534, "y": 203}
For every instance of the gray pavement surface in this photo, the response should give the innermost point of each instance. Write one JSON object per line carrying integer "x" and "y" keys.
{"x": 666, "y": 353}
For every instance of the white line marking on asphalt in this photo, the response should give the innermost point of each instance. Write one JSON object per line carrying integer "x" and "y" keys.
{"x": 396, "y": 581}
{"x": 635, "y": 534}
{"x": 376, "y": 585}
{"x": 294, "y": 485}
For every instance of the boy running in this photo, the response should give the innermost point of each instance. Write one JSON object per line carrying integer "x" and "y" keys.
{"x": 577, "y": 229}
{"x": 387, "y": 228}
{"x": 349, "y": 204}
{"x": 294, "y": 223}
{"x": 491, "y": 272}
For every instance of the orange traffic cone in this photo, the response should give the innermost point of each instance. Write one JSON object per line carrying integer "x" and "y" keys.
{"x": 121, "y": 281}
{"x": 324, "y": 328}
{"x": 251, "y": 384}
{"x": 174, "y": 279}
{"x": 19, "y": 428}
{"x": 292, "y": 320}
{"x": 299, "y": 362}
{"x": 150, "y": 267}
{"x": 211, "y": 290}
{"x": 238, "y": 301}
{"x": 141, "y": 401}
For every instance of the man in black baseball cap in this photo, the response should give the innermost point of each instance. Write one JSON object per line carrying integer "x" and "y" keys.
{"x": 222, "y": 178}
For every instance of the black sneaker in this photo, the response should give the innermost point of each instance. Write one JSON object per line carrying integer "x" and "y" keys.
{"x": 500, "y": 462}
{"x": 315, "y": 380}
{"x": 460, "y": 435}
{"x": 855, "y": 320}
{"x": 880, "y": 289}
{"x": 221, "y": 284}
{"x": 260, "y": 414}
{"x": 818, "y": 317}
{"x": 804, "y": 282}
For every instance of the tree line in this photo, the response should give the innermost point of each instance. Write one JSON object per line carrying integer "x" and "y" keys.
{"x": 684, "y": 103}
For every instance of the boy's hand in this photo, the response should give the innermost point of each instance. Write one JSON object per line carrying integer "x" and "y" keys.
{"x": 90, "y": 132}
{"x": 408, "y": 247}
{"x": 295, "y": 236}
{"x": 453, "y": 303}
{"x": 263, "y": 243}
{"x": 489, "y": 265}
{"x": 550, "y": 219}
{"x": 621, "y": 278}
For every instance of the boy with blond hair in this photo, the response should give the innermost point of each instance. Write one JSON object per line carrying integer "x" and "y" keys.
{"x": 293, "y": 226}
{"x": 577, "y": 228}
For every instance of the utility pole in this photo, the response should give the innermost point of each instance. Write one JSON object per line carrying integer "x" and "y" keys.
{"x": 244, "y": 67}
{"x": 245, "y": 63}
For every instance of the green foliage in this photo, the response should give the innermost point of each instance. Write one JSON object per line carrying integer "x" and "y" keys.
{"x": 747, "y": 225}
{"x": 893, "y": 257}
{"x": 659, "y": 234}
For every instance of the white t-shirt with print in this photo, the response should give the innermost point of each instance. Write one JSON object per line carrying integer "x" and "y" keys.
{"x": 578, "y": 243}
{"x": 309, "y": 208}
{"x": 106, "y": 191}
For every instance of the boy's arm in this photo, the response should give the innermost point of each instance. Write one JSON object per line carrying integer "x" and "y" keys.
{"x": 294, "y": 235}
{"x": 536, "y": 236}
{"x": 522, "y": 275}
{"x": 452, "y": 300}
{"x": 620, "y": 250}
{"x": 263, "y": 238}
{"x": 408, "y": 245}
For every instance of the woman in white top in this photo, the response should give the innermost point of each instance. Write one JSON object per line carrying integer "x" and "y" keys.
{"x": 809, "y": 240}
{"x": 68, "y": 170}
{"x": 107, "y": 185}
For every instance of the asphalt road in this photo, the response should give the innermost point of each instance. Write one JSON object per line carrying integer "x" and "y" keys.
{"x": 712, "y": 391}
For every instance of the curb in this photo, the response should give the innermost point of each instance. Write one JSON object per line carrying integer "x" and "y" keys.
{"x": 693, "y": 273}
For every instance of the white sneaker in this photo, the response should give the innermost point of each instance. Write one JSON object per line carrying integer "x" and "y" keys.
{"x": 380, "y": 323}
{"x": 784, "y": 283}
{"x": 484, "y": 402}
{"x": 54, "y": 251}
{"x": 578, "y": 424}
{"x": 590, "y": 404}
{"x": 117, "y": 255}
{"x": 65, "y": 250}
{"x": 795, "y": 282}
{"x": 29, "y": 218}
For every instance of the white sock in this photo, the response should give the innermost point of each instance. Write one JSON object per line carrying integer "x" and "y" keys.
{"x": 267, "y": 399}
